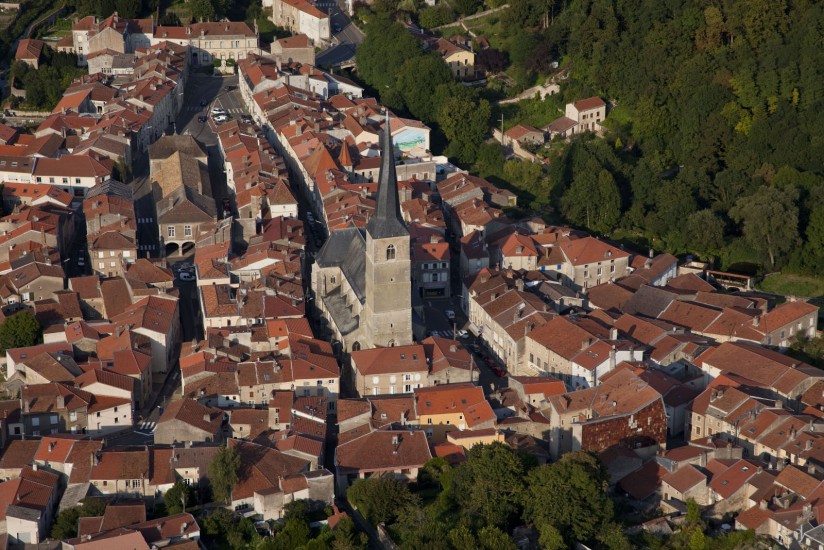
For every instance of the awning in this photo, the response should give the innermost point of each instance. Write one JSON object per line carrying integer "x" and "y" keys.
{"x": 473, "y": 328}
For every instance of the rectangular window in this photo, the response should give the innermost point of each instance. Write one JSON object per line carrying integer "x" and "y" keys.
{"x": 101, "y": 265}
{"x": 53, "y": 419}
{"x": 170, "y": 231}
{"x": 187, "y": 230}
{"x": 127, "y": 253}
{"x": 100, "y": 254}
{"x": 35, "y": 421}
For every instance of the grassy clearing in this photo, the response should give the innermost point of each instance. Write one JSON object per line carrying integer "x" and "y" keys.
{"x": 790, "y": 284}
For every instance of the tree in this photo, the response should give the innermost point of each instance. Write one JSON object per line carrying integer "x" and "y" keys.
{"x": 128, "y": 9}
{"x": 435, "y": 16}
{"x": 593, "y": 199}
{"x": 380, "y": 499}
{"x": 21, "y": 330}
{"x": 770, "y": 221}
{"x": 294, "y": 534}
{"x": 65, "y": 524}
{"x": 490, "y": 160}
{"x": 492, "y": 538}
{"x": 489, "y": 484}
{"x": 465, "y": 7}
{"x": 416, "y": 80}
{"x": 347, "y": 537}
{"x": 570, "y": 495}
{"x": 705, "y": 231}
{"x": 223, "y": 473}
{"x": 203, "y": 10}
{"x": 464, "y": 123}
{"x": 384, "y": 51}
{"x": 179, "y": 497}
{"x": 491, "y": 60}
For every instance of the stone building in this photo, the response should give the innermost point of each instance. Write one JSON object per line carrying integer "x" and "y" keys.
{"x": 363, "y": 283}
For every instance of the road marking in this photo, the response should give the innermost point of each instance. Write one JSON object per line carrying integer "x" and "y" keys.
{"x": 147, "y": 427}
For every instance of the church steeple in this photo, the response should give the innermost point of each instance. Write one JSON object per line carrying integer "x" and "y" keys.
{"x": 387, "y": 221}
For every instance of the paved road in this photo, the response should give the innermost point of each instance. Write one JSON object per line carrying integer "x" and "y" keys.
{"x": 345, "y": 42}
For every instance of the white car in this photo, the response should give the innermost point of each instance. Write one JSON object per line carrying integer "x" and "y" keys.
{"x": 462, "y": 333}
{"x": 450, "y": 314}
{"x": 218, "y": 111}
{"x": 186, "y": 276}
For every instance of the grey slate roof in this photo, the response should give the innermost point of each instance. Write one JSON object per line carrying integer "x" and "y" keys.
{"x": 112, "y": 188}
{"x": 173, "y": 208}
{"x": 346, "y": 249}
{"x": 166, "y": 146}
{"x": 650, "y": 301}
{"x": 387, "y": 221}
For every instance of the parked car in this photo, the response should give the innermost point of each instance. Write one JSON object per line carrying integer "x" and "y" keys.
{"x": 498, "y": 371}
{"x": 186, "y": 276}
{"x": 450, "y": 314}
{"x": 201, "y": 118}
{"x": 203, "y": 103}
{"x": 220, "y": 118}
{"x": 246, "y": 118}
{"x": 462, "y": 333}
{"x": 336, "y": 27}
{"x": 218, "y": 111}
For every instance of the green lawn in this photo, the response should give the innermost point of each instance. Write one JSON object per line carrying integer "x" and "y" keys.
{"x": 534, "y": 112}
{"x": 798, "y": 285}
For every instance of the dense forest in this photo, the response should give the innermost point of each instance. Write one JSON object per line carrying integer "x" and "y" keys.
{"x": 715, "y": 144}
{"x": 480, "y": 502}
{"x": 717, "y": 135}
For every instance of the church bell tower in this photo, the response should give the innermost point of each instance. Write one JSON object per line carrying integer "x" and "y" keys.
{"x": 387, "y": 313}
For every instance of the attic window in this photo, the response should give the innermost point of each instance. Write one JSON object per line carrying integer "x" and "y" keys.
{"x": 725, "y": 482}
{"x": 428, "y": 403}
{"x": 403, "y": 356}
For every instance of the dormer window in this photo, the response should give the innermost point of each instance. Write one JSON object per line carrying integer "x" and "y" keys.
{"x": 390, "y": 252}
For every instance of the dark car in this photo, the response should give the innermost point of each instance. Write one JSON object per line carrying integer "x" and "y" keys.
{"x": 228, "y": 88}
{"x": 201, "y": 118}
{"x": 336, "y": 27}
{"x": 498, "y": 371}
{"x": 203, "y": 103}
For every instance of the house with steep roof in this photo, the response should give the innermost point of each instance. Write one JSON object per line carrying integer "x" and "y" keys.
{"x": 121, "y": 471}
{"x": 186, "y": 420}
{"x": 624, "y": 410}
{"x": 382, "y": 371}
{"x": 27, "y": 505}
{"x": 449, "y": 361}
{"x": 584, "y": 115}
{"x": 29, "y": 52}
{"x": 396, "y": 453}
{"x": 460, "y": 60}
{"x": 155, "y": 317}
{"x": 302, "y": 17}
{"x": 449, "y": 407}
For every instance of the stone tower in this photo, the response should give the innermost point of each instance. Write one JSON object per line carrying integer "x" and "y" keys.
{"x": 387, "y": 315}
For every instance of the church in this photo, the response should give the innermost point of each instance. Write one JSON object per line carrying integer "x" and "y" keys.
{"x": 362, "y": 280}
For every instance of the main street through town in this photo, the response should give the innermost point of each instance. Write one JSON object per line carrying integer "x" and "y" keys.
{"x": 344, "y": 43}
{"x": 203, "y": 92}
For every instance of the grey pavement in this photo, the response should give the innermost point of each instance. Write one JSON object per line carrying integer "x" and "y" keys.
{"x": 344, "y": 44}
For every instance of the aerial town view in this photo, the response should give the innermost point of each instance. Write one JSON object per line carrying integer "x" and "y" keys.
{"x": 415, "y": 275}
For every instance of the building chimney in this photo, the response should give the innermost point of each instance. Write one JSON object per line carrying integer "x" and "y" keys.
{"x": 613, "y": 334}
{"x": 519, "y": 284}
{"x": 183, "y": 527}
{"x": 60, "y": 402}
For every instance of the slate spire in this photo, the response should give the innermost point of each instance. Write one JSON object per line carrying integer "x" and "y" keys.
{"x": 387, "y": 221}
